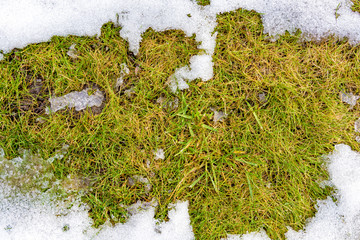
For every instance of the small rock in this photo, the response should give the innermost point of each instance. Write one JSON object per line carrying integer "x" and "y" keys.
{"x": 148, "y": 163}
{"x": 40, "y": 120}
{"x": 173, "y": 104}
{"x": 168, "y": 104}
{"x": 119, "y": 82}
{"x": 35, "y": 87}
{"x": 148, "y": 188}
{"x": 139, "y": 178}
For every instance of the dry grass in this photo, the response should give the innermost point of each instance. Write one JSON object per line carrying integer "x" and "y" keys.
{"x": 356, "y": 5}
{"x": 260, "y": 168}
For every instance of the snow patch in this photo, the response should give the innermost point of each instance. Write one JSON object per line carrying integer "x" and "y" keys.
{"x": 72, "y": 52}
{"x": 316, "y": 19}
{"x": 261, "y": 235}
{"x": 33, "y": 21}
{"x": 349, "y": 98}
{"x": 159, "y": 154}
{"x": 78, "y": 100}
{"x": 333, "y": 220}
{"x": 123, "y": 72}
{"x": 34, "y": 210}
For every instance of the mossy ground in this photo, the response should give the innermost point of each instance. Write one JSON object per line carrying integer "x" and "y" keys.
{"x": 259, "y": 168}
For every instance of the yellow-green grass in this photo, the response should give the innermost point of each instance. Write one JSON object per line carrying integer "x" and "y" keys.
{"x": 356, "y": 5}
{"x": 260, "y": 168}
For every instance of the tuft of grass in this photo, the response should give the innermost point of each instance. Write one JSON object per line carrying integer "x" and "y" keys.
{"x": 259, "y": 168}
{"x": 203, "y": 2}
{"x": 356, "y": 5}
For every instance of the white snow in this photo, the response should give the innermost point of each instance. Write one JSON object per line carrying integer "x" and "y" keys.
{"x": 261, "y": 235}
{"x": 36, "y": 215}
{"x": 23, "y": 217}
{"x": 219, "y": 116}
{"x": 357, "y": 125}
{"x": 72, "y": 52}
{"x": 123, "y": 72}
{"x": 143, "y": 226}
{"x": 27, "y": 217}
{"x": 316, "y": 19}
{"x": 23, "y": 22}
{"x": 31, "y": 21}
{"x": 159, "y": 154}
{"x": 333, "y": 220}
{"x": 349, "y": 98}
{"x": 27, "y": 211}
{"x": 78, "y": 100}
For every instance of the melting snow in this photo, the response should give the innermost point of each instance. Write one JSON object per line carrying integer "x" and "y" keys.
{"x": 333, "y": 220}
{"x": 33, "y": 21}
{"x": 357, "y": 125}
{"x": 219, "y": 116}
{"x": 72, "y": 52}
{"x": 262, "y": 98}
{"x": 78, "y": 100}
{"x": 31, "y": 210}
{"x": 33, "y": 216}
{"x": 123, "y": 72}
{"x": 138, "y": 178}
{"x": 349, "y": 98}
{"x": 159, "y": 154}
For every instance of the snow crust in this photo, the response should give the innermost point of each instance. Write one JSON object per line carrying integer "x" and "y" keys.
{"x": 349, "y": 98}
{"x": 23, "y": 22}
{"x": 143, "y": 226}
{"x": 316, "y": 19}
{"x": 124, "y": 71}
{"x": 24, "y": 217}
{"x": 31, "y": 208}
{"x": 31, "y": 21}
{"x": 78, "y": 100}
{"x": 35, "y": 214}
{"x": 261, "y": 235}
{"x": 159, "y": 154}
